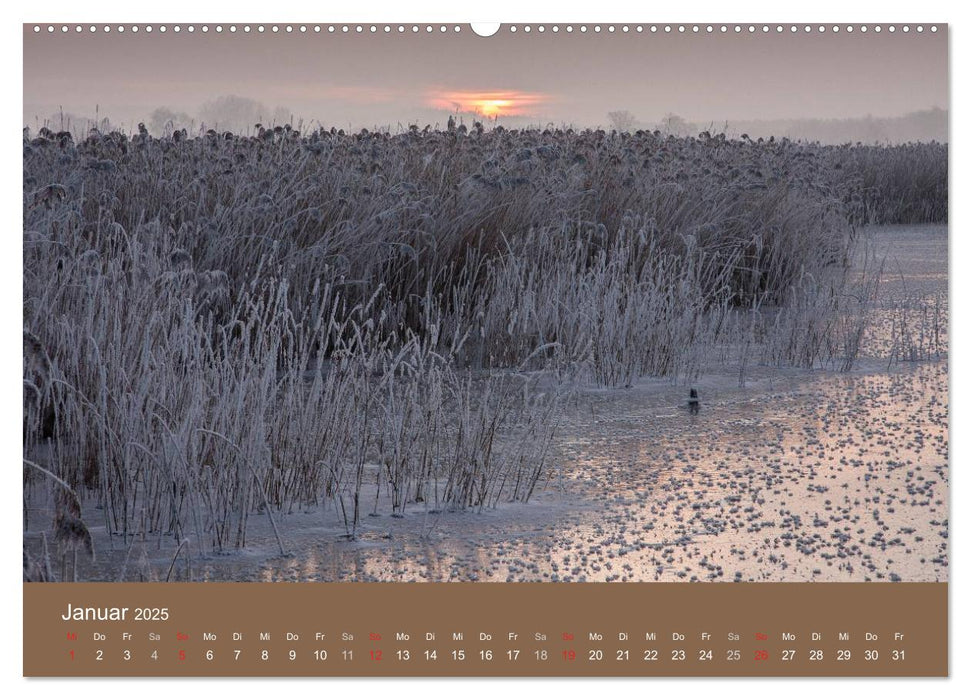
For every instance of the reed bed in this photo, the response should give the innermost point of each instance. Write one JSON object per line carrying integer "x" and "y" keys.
{"x": 220, "y": 327}
{"x": 904, "y": 184}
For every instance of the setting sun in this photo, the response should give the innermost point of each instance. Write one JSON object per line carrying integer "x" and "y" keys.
{"x": 492, "y": 108}
{"x": 488, "y": 104}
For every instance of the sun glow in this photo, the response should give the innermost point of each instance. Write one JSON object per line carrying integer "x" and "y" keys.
{"x": 487, "y": 104}
{"x": 492, "y": 107}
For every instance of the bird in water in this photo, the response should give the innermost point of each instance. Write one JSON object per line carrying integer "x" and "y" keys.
{"x": 693, "y": 403}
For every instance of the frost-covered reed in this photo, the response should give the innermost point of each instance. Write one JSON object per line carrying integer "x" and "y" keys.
{"x": 219, "y": 327}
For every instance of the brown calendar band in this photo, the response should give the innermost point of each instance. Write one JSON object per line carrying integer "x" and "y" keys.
{"x": 485, "y": 629}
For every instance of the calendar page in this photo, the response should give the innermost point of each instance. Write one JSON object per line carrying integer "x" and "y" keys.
{"x": 546, "y": 349}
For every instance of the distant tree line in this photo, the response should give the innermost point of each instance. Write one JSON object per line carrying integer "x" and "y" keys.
{"x": 224, "y": 113}
{"x": 926, "y": 125}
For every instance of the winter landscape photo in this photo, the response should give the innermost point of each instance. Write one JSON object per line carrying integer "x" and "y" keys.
{"x": 412, "y": 304}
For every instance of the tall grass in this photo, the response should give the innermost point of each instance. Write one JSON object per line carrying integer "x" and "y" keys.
{"x": 904, "y": 184}
{"x": 220, "y": 327}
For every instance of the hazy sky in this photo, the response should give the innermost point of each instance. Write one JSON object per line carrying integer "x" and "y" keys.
{"x": 384, "y": 79}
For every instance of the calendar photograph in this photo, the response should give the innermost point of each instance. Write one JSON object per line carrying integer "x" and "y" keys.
{"x": 458, "y": 322}
{"x": 520, "y": 304}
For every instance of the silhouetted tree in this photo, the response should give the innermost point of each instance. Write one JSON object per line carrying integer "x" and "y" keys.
{"x": 164, "y": 121}
{"x": 622, "y": 120}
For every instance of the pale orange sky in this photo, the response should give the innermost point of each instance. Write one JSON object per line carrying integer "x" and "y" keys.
{"x": 386, "y": 79}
